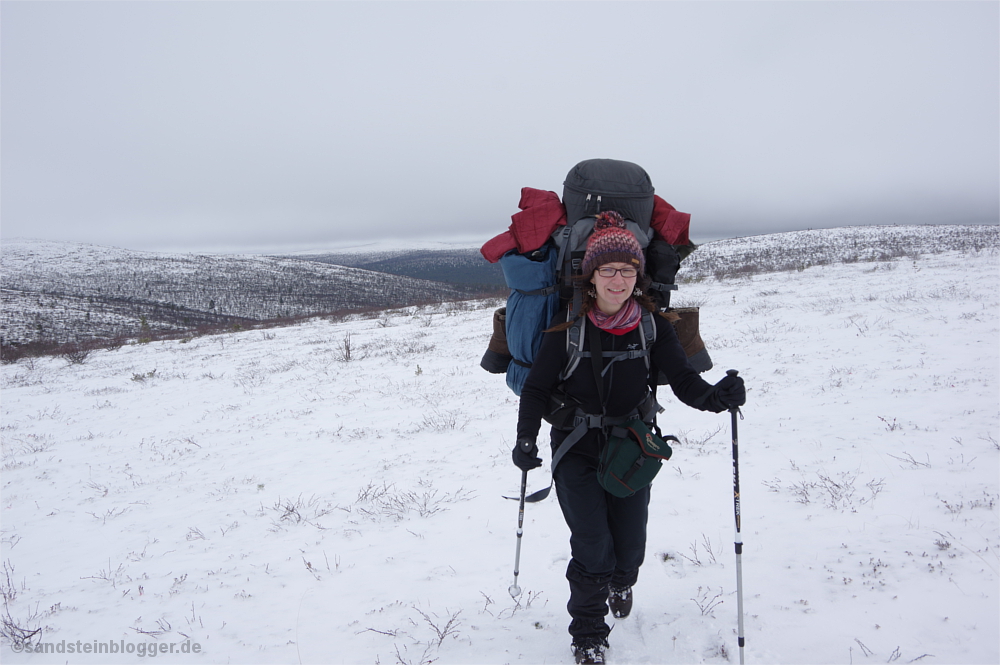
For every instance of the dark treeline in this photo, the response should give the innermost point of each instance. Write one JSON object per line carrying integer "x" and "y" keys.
{"x": 459, "y": 266}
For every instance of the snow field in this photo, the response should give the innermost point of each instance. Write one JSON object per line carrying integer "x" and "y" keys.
{"x": 271, "y": 500}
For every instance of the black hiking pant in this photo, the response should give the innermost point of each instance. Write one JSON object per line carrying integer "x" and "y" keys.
{"x": 607, "y": 540}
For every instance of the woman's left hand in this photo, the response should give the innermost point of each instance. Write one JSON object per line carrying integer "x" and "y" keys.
{"x": 730, "y": 392}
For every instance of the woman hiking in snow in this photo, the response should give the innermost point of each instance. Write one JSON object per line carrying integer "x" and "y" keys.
{"x": 608, "y": 533}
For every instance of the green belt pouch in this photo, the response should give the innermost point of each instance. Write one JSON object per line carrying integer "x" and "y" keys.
{"x": 631, "y": 458}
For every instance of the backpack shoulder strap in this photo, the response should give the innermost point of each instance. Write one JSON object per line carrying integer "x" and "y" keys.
{"x": 597, "y": 363}
{"x": 648, "y": 333}
{"x": 575, "y": 339}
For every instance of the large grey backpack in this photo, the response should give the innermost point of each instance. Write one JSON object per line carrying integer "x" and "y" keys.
{"x": 596, "y": 185}
{"x": 543, "y": 278}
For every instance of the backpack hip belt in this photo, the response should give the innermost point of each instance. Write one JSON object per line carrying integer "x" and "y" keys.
{"x": 582, "y": 422}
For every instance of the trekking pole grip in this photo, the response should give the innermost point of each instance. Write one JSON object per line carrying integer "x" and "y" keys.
{"x": 526, "y": 445}
{"x": 733, "y": 409}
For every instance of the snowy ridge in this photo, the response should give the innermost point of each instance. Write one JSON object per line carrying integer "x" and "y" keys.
{"x": 331, "y": 491}
{"x": 796, "y": 250}
{"x": 65, "y": 291}
{"x": 59, "y": 292}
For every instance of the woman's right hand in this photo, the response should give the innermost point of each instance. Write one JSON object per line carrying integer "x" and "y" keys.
{"x": 525, "y": 455}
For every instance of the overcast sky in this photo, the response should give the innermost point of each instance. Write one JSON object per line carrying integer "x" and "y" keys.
{"x": 267, "y": 125}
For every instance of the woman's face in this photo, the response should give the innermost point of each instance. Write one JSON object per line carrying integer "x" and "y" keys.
{"x": 612, "y": 292}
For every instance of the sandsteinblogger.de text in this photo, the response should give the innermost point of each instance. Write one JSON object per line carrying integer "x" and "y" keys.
{"x": 144, "y": 649}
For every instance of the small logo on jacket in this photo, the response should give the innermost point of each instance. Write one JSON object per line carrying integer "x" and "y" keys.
{"x": 650, "y": 443}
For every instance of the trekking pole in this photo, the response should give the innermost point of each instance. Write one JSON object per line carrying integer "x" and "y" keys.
{"x": 514, "y": 590}
{"x": 734, "y": 411}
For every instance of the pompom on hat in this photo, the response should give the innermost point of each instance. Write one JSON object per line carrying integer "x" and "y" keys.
{"x": 612, "y": 242}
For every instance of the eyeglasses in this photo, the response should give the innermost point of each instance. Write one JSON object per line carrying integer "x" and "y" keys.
{"x": 610, "y": 272}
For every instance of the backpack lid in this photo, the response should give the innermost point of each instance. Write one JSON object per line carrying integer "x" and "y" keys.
{"x": 622, "y": 186}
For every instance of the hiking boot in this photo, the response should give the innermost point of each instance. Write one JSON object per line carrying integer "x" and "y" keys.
{"x": 589, "y": 651}
{"x": 620, "y": 601}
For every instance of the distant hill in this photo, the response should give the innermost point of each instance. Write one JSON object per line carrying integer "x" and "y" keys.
{"x": 66, "y": 291}
{"x": 798, "y": 250}
{"x": 58, "y": 292}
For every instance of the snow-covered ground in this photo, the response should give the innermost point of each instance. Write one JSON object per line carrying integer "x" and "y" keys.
{"x": 332, "y": 492}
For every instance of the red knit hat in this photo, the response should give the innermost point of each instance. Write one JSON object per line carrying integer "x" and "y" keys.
{"x": 612, "y": 242}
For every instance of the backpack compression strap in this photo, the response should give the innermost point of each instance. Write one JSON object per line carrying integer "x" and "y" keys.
{"x": 546, "y": 291}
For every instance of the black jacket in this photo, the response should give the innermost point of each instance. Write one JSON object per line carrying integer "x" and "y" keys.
{"x": 625, "y": 384}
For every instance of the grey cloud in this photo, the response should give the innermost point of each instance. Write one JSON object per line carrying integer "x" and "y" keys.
{"x": 197, "y": 124}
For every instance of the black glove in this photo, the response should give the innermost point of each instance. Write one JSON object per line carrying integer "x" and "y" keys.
{"x": 729, "y": 392}
{"x": 526, "y": 455}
